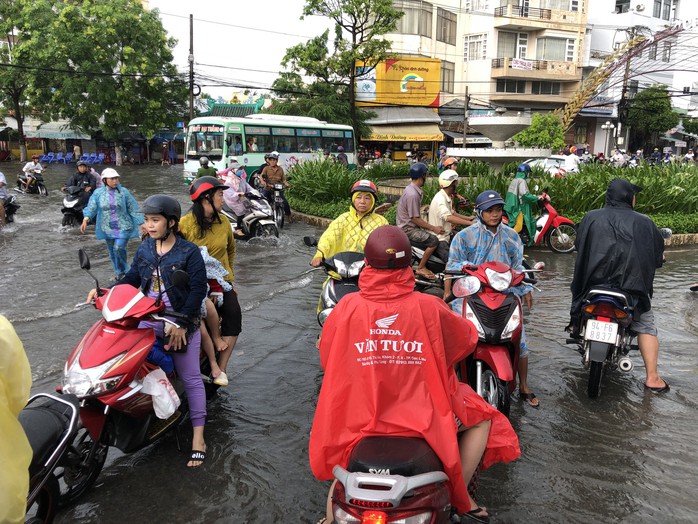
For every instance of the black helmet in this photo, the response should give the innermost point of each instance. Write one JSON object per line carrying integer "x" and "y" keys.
{"x": 418, "y": 170}
{"x": 388, "y": 247}
{"x": 203, "y": 160}
{"x": 163, "y": 205}
{"x": 82, "y": 163}
{"x": 203, "y": 184}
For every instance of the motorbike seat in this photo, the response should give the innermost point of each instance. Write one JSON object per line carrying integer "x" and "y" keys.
{"x": 44, "y": 429}
{"x": 406, "y": 456}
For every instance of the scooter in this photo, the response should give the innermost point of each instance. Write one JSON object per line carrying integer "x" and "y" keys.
{"x": 36, "y": 185}
{"x": 343, "y": 270}
{"x": 551, "y": 228}
{"x": 11, "y": 207}
{"x": 50, "y": 423}
{"x": 105, "y": 372}
{"x": 278, "y": 205}
{"x": 258, "y": 221}
{"x": 72, "y": 206}
{"x": 498, "y": 317}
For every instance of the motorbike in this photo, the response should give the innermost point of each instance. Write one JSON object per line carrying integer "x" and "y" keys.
{"x": 105, "y": 371}
{"x": 498, "y": 317}
{"x": 551, "y": 228}
{"x": 258, "y": 221}
{"x": 50, "y": 423}
{"x": 73, "y": 204}
{"x": 36, "y": 186}
{"x": 278, "y": 205}
{"x": 11, "y": 207}
{"x": 601, "y": 332}
{"x": 343, "y": 270}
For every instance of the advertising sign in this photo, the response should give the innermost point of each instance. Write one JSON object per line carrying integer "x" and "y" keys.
{"x": 406, "y": 81}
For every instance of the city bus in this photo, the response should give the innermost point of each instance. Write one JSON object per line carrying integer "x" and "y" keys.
{"x": 295, "y": 138}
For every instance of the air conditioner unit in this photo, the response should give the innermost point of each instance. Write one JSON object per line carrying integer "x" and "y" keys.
{"x": 640, "y": 8}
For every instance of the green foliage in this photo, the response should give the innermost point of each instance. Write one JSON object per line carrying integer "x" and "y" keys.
{"x": 650, "y": 112}
{"x": 690, "y": 125}
{"x": 545, "y": 132}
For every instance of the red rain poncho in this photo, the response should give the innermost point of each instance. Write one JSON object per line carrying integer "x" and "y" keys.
{"x": 388, "y": 355}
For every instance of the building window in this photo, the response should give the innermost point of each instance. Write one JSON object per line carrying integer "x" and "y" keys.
{"x": 448, "y": 74}
{"x": 580, "y": 133}
{"x": 664, "y": 9}
{"x": 476, "y": 5}
{"x": 417, "y": 17}
{"x": 446, "y": 26}
{"x": 506, "y": 85}
{"x": 633, "y": 87}
{"x": 558, "y": 5}
{"x": 545, "y": 88}
{"x": 666, "y": 52}
{"x": 622, "y": 6}
{"x": 511, "y": 45}
{"x": 555, "y": 49}
{"x": 475, "y": 47}
{"x": 652, "y": 52}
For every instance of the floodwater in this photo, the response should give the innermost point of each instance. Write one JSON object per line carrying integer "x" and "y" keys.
{"x": 629, "y": 456}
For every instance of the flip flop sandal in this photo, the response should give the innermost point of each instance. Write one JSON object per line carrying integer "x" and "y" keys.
{"x": 197, "y": 455}
{"x": 530, "y": 398}
{"x": 663, "y": 389}
{"x": 474, "y": 517}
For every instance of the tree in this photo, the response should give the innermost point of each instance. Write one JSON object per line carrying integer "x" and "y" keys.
{"x": 650, "y": 113}
{"x": 358, "y": 29}
{"x": 102, "y": 64}
{"x": 545, "y": 132}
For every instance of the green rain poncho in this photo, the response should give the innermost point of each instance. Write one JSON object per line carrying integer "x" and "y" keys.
{"x": 519, "y": 200}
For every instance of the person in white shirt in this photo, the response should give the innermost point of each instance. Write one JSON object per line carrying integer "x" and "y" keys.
{"x": 3, "y": 195}
{"x": 441, "y": 215}
{"x": 34, "y": 166}
{"x": 572, "y": 161}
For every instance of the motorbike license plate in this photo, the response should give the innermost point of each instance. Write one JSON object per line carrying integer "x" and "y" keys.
{"x": 601, "y": 331}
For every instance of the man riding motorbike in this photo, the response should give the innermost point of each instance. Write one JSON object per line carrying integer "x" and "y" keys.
{"x": 34, "y": 166}
{"x": 84, "y": 180}
{"x": 366, "y": 392}
{"x": 519, "y": 203}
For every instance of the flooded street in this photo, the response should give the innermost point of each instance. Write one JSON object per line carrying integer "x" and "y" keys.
{"x": 629, "y": 456}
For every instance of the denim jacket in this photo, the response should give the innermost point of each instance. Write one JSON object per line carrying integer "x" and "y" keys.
{"x": 184, "y": 255}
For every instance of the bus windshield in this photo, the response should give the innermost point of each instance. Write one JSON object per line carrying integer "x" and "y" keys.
{"x": 205, "y": 140}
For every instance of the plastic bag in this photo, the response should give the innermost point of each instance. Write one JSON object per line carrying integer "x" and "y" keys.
{"x": 165, "y": 398}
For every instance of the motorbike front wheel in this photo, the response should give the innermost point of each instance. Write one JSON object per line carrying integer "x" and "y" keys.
{"x": 279, "y": 217}
{"x": 68, "y": 220}
{"x": 561, "y": 239}
{"x": 595, "y": 372}
{"x": 42, "y": 190}
{"x": 80, "y": 467}
{"x": 267, "y": 231}
{"x": 495, "y": 392}
{"x": 43, "y": 510}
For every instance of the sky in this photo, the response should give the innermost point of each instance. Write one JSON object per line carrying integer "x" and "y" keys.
{"x": 236, "y": 41}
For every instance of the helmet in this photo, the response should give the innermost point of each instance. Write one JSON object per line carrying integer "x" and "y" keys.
{"x": 35, "y": 157}
{"x": 388, "y": 247}
{"x": 203, "y": 184}
{"x": 408, "y": 154}
{"x": 573, "y": 149}
{"x": 442, "y": 148}
{"x": 203, "y": 160}
{"x": 450, "y": 161}
{"x": 523, "y": 168}
{"x": 418, "y": 170}
{"x": 82, "y": 163}
{"x": 164, "y": 205}
{"x": 340, "y": 149}
{"x": 447, "y": 178}
{"x": 364, "y": 186}
{"x": 274, "y": 154}
{"x": 110, "y": 172}
{"x": 488, "y": 199}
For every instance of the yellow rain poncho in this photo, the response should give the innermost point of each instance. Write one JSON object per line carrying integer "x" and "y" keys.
{"x": 15, "y": 382}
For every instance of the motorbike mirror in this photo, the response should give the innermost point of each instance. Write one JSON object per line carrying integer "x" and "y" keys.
{"x": 536, "y": 187}
{"x": 310, "y": 241}
{"x": 666, "y": 233}
{"x": 84, "y": 259}
{"x": 180, "y": 278}
{"x": 464, "y": 287}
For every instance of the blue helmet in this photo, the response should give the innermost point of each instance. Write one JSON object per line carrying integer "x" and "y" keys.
{"x": 524, "y": 168}
{"x": 418, "y": 170}
{"x": 486, "y": 200}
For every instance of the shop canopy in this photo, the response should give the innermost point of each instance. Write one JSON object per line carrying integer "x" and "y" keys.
{"x": 55, "y": 130}
{"x": 405, "y": 124}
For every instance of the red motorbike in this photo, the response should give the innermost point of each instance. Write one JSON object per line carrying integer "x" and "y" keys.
{"x": 553, "y": 229}
{"x": 106, "y": 372}
{"x": 498, "y": 317}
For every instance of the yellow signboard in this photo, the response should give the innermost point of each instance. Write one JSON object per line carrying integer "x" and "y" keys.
{"x": 406, "y": 81}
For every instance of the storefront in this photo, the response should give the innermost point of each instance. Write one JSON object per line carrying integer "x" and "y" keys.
{"x": 400, "y": 130}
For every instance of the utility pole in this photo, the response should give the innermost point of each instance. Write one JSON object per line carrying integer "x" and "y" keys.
{"x": 191, "y": 67}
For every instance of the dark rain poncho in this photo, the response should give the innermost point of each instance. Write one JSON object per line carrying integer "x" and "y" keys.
{"x": 617, "y": 248}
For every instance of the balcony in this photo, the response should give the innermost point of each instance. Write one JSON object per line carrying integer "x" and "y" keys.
{"x": 520, "y": 17}
{"x": 536, "y": 69}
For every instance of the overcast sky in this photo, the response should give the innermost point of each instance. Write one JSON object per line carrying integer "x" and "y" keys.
{"x": 236, "y": 41}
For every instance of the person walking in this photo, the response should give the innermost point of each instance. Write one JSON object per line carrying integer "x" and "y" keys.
{"x": 116, "y": 216}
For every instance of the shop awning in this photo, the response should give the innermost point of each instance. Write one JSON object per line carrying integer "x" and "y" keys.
{"x": 55, "y": 130}
{"x": 403, "y": 115}
{"x": 406, "y": 133}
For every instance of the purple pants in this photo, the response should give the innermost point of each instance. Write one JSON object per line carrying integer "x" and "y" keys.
{"x": 187, "y": 366}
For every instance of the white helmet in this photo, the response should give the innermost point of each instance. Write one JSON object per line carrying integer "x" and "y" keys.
{"x": 274, "y": 154}
{"x": 447, "y": 178}
{"x": 110, "y": 172}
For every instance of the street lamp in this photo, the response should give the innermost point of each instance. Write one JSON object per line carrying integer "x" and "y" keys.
{"x": 608, "y": 127}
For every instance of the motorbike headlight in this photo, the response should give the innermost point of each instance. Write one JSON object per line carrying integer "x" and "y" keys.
{"x": 470, "y": 315}
{"x": 322, "y": 316}
{"x": 88, "y": 382}
{"x": 329, "y": 298}
{"x": 498, "y": 281}
{"x": 514, "y": 322}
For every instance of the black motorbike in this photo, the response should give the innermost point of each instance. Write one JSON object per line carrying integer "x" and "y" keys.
{"x": 50, "y": 423}
{"x": 277, "y": 204}
{"x": 11, "y": 207}
{"x": 74, "y": 202}
{"x": 36, "y": 185}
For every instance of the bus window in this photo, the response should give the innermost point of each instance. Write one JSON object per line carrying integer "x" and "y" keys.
{"x": 234, "y": 144}
{"x": 331, "y": 139}
{"x": 205, "y": 140}
{"x": 309, "y": 140}
{"x": 284, "y": 139}
{"x": 261, "y": 138}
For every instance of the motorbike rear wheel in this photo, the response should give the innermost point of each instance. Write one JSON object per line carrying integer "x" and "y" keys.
{"x": 561, "y": 239}
{"x": 496, "y": 392}
{"x": 79, "y": 469}
{"x": 43, "y": 510}
{"x": 595, "y": 372}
